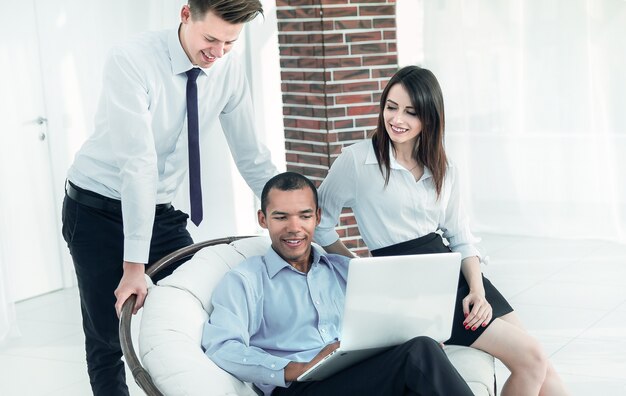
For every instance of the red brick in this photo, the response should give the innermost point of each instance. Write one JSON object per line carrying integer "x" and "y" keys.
{"x": 370, "y": 122}
{"x": 355, "y": 98}
{"x": 353, "y": 231}
{"x": 369, "y": 48}
{"x": 331, "y": 38}
{"x": 335, "y": 63}
{"x": 295, "y": 13}
{"x": 355, "y": 135}
{"x": 295, "y": 134}
{"x": 324, "y": 2}
{"x": 309, "y": 159}
{"x": 290, "y": 26}
{"x": 298, "y": 111}
{"x": 342, "y": 124}
{"x": 384, "y": 73}
{"x": 347, "y": 220}
{"x": 310, "y": 63}
{"x": 291, "y": 75}
{"x": 301, "y": 50}
{"x": 389, "y": 35}
{"x": 362, "y": 110}
{"x": 303, "y": 87}
{"x": 392, "y": 47}
{"x": 360, "y": 86}
{"x": 353, "y": 24}
{"x": 311, "y": 124}
{"x": 380, "y": 60}
{"x": 316, "y": 76}
{"x": 311, "y": 172}
{"x": 385, "y": 23}
{"x": 334, "y": 112}
{"x": 374, "y": 35}
{"x": 354, "y": 74}
{"x": 334, "y": 50}
{"x": 338, "y": 12}
{"x": 377, "y": 10}
{"x": 305, "y": 147}
{"x": 308, "y": 38}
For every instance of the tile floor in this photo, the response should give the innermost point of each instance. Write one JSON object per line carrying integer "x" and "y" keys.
{"x": 570, "y": 295}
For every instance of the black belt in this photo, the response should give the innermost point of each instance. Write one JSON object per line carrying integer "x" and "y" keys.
{"x": 97, "y": 201}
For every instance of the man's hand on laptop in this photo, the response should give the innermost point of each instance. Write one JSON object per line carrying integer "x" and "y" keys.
{"x": 294, "y": 369}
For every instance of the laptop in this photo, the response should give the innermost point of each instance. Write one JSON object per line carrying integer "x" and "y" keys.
{"x": 390, "y": 300}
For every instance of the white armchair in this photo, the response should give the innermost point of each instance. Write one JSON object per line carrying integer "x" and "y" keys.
{"x": 172, "y": 361}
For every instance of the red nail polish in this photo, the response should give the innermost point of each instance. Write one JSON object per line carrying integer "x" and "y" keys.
{"x": 474, "y": 328}
{"x": 466, "y": 327}
{"x": 484, "y": 324}
{"x": 464, "y": 323}
{"x": 466, "y": 315}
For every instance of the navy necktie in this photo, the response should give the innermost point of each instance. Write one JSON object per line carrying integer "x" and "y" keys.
{"x": 195, "y": 186}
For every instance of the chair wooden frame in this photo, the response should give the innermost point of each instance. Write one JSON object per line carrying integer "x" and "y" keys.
{"x": 141, "y": 376}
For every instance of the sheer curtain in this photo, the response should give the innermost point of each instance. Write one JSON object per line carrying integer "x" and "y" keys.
{"x": 535, "y": 96}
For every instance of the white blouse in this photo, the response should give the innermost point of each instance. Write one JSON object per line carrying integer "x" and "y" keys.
{"x": 402, "y": 211}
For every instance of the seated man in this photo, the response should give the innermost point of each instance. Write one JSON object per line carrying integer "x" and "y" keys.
{"x": 277, "y": 315}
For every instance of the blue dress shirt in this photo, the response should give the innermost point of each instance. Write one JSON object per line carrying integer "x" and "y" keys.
{"x": 266, "y": 314}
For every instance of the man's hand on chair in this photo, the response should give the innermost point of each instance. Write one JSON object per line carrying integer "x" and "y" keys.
{"x": 133, "y": 282}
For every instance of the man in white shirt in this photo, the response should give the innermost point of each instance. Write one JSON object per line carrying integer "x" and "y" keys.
{"x": 117, "y": 215}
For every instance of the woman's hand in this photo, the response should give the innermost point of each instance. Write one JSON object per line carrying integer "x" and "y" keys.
{"x": 477, "y": 310}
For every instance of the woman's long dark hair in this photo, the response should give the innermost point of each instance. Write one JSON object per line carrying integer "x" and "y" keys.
{"x": 427, "y": 100}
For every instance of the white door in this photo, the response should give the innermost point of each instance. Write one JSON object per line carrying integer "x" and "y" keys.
{"x": 29, "y": 225}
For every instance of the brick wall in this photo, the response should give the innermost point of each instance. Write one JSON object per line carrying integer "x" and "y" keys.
{"x": 335, "y": 58}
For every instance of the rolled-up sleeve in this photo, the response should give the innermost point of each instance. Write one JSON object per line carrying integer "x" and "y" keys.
{"x": 455, "y": 223}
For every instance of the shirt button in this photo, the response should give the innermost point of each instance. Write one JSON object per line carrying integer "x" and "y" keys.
{"x": 317, "y": 302}
{"x": 273, "y": 365}
{"x": 245, "y": 360}
{"x": 323, "y": 330}
{"x": 272, "y": 375}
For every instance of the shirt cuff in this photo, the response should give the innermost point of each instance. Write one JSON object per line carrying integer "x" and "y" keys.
{"x": 136, "y": 250}
{"x": 274, "y": 370}
{"x": 467, "y": 251}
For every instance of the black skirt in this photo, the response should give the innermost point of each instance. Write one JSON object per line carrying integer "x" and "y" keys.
{"x": 433, "y": 243}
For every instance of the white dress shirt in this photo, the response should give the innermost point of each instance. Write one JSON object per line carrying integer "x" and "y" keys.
{"x": 402, "y": 211}
{"x": 138, "y": 151}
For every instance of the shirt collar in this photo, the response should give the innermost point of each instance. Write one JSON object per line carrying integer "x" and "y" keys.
{"x": 275, "y": 263}
{"x": 371, "y": 160}
{"x": 178, "y": 57}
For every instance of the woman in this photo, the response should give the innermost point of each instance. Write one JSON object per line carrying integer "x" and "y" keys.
{"x": 402, "y": 189}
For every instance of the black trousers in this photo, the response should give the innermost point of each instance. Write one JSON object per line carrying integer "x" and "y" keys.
{"x": 417, "y": 367}
{"x": 96, "y": 241}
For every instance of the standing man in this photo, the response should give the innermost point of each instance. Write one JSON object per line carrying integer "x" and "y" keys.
{"x": 162, "y": 91}
{"x": 277, "y": 315}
